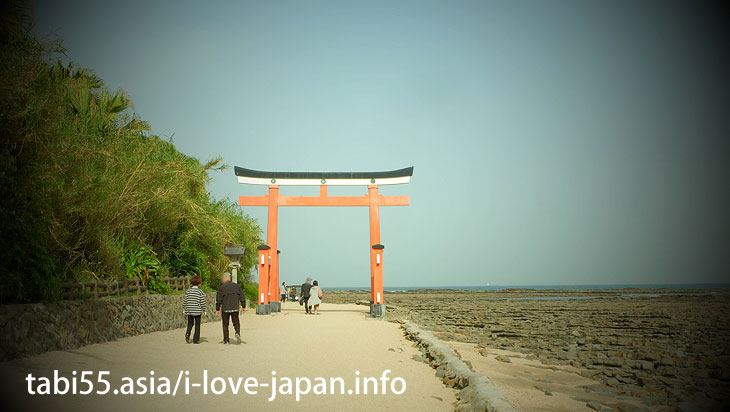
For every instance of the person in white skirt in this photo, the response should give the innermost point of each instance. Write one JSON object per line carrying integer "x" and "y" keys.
{"x": 315, "y": 297}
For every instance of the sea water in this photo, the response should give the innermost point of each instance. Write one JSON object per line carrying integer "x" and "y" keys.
{"x": 671, "y": 286}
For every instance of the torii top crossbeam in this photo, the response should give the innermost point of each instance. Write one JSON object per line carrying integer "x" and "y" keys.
{"x": 269, "y": 273}
{"x": 257, "y": 177}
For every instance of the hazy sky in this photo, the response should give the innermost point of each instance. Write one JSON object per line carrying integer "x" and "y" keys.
{"x": 554, "y": 142}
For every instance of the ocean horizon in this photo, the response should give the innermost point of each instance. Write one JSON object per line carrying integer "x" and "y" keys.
{"x": 672, "y": 286}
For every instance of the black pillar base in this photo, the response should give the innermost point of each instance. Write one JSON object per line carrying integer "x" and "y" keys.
{"x": 377, "y": 310}
{"x": 262, "y": 309}
{"x": 275, "y": 307}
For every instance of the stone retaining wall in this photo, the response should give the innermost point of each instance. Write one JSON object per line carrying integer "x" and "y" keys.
{"x": 478, "y": 393}
{"x": 30, "y": 329}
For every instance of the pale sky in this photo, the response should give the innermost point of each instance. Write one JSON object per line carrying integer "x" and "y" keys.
{"x": 554, "y": 142}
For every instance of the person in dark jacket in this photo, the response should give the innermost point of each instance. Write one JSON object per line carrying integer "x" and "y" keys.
{"x": 304, "y": 297}
{"x": 226, "y": 302}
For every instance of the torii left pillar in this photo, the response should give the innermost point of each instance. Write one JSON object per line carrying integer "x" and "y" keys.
{"x": 271, "y": 228}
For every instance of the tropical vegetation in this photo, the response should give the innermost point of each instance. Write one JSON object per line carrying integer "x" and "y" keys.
{"x": 87, "y": 191}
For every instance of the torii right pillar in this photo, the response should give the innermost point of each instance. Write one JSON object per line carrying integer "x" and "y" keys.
{"x": 377, "y": 305}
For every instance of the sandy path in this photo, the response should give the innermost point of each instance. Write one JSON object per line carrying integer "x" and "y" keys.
{"x": 339, "y": 342}
{"x": 526, "y": 381}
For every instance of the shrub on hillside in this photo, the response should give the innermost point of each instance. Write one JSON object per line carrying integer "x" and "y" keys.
{"x": 85, "y": 185}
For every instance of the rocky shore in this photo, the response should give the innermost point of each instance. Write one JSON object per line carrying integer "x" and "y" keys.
{"x": 670, "y": 348}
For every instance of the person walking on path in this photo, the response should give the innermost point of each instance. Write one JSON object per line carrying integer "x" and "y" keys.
{"x": 304, "y": 297}
{"x": 282, "y": 291}
{"x": 226, "y": 301}
{"x": 193, "y": 308}
{"x": 315, "y": 298}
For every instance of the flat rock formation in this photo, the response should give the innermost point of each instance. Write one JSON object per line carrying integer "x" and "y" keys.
{"x": 667, "y": 347}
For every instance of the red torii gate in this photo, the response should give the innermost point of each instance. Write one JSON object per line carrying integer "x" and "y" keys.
{"x": 268, "y": 254}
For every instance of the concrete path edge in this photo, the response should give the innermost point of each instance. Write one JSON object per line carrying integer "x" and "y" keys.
{"x": 478, "y": 393}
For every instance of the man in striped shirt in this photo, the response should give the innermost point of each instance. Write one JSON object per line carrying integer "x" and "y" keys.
{"x": 194, "y": 306}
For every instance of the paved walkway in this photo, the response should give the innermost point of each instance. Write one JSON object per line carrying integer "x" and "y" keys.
{"x": 340, "y": 342}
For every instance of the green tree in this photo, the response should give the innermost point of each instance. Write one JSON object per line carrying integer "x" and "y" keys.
{"x": 88, "y": 192}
